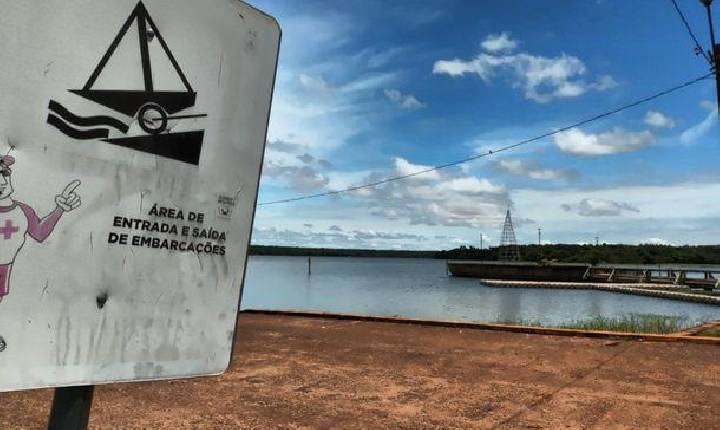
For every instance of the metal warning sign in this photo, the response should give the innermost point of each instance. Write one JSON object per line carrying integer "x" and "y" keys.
{"x": 131, "y": 142}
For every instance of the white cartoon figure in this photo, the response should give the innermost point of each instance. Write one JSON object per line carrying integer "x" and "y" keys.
{"x": 19, "y": 220}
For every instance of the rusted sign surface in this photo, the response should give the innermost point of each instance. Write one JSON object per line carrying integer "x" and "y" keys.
{"x": 131, "y": 142}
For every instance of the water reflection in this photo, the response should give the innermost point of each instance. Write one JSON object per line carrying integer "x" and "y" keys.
{"x": 419, "y": 288}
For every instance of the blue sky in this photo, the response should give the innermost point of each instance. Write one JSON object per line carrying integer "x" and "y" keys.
{"x": 370, "y": 89}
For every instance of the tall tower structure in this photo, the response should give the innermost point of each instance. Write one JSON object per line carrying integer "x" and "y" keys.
{"x": 508, "y": 249}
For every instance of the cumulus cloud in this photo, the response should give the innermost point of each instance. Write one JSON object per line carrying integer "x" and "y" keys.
{"x": 700, "y": 130}
{"x": 370, "y": 234}
{"x": 280, "y": 145}
{"x": 657, "y": 119}
{"x": 599, "y": 208}
{"x": 306, "y": 158}
{"x": 405, "y": 101}
{"x": 617, "y": 140}
{"x": 447, "y": 198}
{"x": 297, "y": 178}
{"x": 264, "y": 235}
{"x": 534, "y": 171}
{"x": 470, "y": 186}
{"x": 403, "y": 168}
{"x": 542, "y": 78}
{"x": 296, "y": 169}
{"x": 499, "y": 42}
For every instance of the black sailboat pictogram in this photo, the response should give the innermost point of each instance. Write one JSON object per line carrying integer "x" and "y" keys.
{"x": 152, "y": 108}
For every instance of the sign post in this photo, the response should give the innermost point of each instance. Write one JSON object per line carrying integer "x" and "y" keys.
{"x": 71, "y": 408}
{"x": 131, "y": 143}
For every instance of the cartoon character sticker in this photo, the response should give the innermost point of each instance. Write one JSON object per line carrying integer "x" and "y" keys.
{"x": 18, "y": 220}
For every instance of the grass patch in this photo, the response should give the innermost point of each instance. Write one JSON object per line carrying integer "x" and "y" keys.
{"x": 710, "y": 332}
{"x": 633, "y": 323}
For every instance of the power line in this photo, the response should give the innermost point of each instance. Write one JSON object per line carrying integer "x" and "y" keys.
{"x": 699, "y": 50}
{"x": 491, "y": 152}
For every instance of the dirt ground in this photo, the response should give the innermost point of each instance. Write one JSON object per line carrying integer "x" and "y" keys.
{"x": 293, "y": 372}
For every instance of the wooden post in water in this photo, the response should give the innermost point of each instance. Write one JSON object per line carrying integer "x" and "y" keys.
{"x": 309, "y": 266}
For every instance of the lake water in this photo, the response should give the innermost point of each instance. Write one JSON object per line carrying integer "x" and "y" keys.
{"x": 420, "y": 288}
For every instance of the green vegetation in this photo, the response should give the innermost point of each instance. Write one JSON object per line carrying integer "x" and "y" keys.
{"x": 328, "y": 252}
{"x": 618, "y": 254}
{"x": 633, "y": 323}
{"x": 710, "y": 332}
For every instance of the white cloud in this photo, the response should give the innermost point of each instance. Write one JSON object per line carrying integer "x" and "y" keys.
{"x": 657, "y": 119}
{"x": 405, "y": 101}
{"x": 680, "y": 213}
{"x": 470, "y": 186}
{"x": 314, "y": 83}
{"x": 404, "y": 167}
{"x": 297, "y": 178}
{"x": 542, "y": 78}
{"x": 604, "y": 82}
{"x": 335, "y": 237}
{"x": 499, "y": 42}
{"x": 594, "y": 207}
{"x": 617, "y": 140}
{"x": 655, "y": 241}
{"x": 708, "y": 105}
{"x": 280, "y": 145}
{"x": 368, "y": 82}
{"x": 326, "y": 94}
{"x": 380, "y": 59}
{"x": 698, "y": 131}
{"x": 533, "y": 171}
{"x": 438, "y": 198}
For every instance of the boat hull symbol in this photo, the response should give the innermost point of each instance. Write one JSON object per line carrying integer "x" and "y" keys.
{"x": 156, "y": 112}
{"x": 130, "y": 102}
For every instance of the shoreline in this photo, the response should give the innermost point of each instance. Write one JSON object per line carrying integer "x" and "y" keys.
{"x": 685, "y": 336}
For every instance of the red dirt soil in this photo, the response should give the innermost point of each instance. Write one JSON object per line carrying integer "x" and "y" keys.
{"x": 294, "y": 372}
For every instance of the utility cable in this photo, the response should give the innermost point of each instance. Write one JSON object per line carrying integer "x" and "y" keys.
{"x": 491, "y": 152}
{"x": 699, "y": 50}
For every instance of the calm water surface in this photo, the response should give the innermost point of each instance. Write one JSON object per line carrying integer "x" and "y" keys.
{"x": 420, "y": 288}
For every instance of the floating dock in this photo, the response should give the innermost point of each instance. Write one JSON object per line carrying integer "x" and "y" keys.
{"x": 518, "y": 271}
{"x": 679, "y": 275}
{"x": 649, "y": 290}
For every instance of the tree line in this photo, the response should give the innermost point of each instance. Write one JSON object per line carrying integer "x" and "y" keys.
{"x": 561, "y": 253}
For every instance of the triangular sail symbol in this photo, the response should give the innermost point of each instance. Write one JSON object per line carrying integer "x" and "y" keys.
{"x": 128, "y": 102}
{"x": 152, "y": 110}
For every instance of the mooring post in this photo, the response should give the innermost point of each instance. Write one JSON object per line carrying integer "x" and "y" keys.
{"x": 71, "y": 408}
{"x": 309, "y": 265}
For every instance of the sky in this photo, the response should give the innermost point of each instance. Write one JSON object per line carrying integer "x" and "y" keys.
{"x": 372, "y": 89}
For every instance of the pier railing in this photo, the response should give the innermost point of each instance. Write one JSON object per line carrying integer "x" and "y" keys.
{"x": 694, "y": 278}
{"x": 676, "y": 275}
